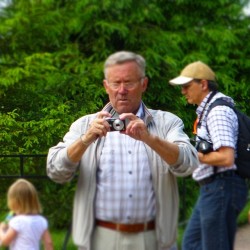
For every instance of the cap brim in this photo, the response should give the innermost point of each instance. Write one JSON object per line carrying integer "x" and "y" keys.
{"x": 180, "y": 80}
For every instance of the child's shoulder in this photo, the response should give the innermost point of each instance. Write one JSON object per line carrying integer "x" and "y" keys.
{"x": 32, "y": 220}
{"x": 27, "y": 217}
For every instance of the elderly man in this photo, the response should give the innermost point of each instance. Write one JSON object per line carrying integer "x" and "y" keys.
{"x": 128, "y": 158}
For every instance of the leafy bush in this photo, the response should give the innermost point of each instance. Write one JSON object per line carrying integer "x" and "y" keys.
{"x": 52, "y": 54}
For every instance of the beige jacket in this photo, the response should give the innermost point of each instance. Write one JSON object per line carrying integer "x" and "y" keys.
{"x": 164, "y": 124}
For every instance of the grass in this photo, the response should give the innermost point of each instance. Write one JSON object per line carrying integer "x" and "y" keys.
{"x": 58, "y": 238}
{"x": 243, "y": 217}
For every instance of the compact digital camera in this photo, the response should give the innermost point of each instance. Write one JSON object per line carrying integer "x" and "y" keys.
{"x": 204, "y": 146}
{"x": 116, "y": 124}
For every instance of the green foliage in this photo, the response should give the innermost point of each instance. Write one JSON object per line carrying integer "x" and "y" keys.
{"x": 58, "y": 237}
{"x": 188, "y": 194}
{"x": 52, "y": 54}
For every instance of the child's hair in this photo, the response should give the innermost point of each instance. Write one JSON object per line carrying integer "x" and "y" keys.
{"x": 23, "y": 198}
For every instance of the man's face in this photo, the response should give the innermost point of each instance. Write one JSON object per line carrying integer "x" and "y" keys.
{"x": 193, "y": 92}
{"x": 125, "y": 86}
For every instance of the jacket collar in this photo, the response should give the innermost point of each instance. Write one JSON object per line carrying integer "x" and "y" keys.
{"x": 146, "y": 115}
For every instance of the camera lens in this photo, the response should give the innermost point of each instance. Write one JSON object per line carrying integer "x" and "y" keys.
{"x": 204, "y": 147}
{"x": 118, "y": 124}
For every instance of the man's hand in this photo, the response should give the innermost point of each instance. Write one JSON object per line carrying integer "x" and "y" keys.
{"x": 98, "y": 128}
{"x": 136, "y": 128}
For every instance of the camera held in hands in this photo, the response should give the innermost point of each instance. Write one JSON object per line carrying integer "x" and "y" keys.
{"x": 204, "y": 146}
{"x": 116, "y": 124}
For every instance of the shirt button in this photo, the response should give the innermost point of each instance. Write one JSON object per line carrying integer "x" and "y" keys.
{"x": 130, "y": 172}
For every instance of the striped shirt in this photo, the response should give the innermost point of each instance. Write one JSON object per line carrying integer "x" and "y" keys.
{"x": 124, "y": 183}
{"x": 220, "y": 127}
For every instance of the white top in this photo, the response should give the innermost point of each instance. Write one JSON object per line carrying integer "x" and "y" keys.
{"x": 30, "y": 229}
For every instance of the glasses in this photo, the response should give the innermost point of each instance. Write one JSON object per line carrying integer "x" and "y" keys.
{"x": 126, "y": 85}
{"x": 187, "y": 85}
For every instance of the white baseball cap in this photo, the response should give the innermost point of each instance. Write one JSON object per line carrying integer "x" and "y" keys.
{"x": 195, "y": 70}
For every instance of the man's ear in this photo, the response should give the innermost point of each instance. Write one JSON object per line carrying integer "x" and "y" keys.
{"x": 145, "y": 83}
{"x": 105, "y": 84}
{"x": 204, "y": 84}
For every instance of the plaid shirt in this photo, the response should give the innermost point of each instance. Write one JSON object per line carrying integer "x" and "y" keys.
{"x": 220, "y": 127}
{"x": 124, "y": 183}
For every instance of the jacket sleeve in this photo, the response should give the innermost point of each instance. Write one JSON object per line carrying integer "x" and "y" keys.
{"x": 171, "y": 128}
{"x": 59, "y": 167}
{"x": 188, "y": 158}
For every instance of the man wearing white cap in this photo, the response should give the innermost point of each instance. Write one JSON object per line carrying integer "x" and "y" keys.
{"x": 223, "y": 192}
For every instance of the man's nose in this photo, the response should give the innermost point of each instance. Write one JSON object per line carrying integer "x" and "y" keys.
{"x": 122, "y": 87}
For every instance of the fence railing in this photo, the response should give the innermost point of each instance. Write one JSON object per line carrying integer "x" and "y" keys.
{"x": 25, "y": 173}
{"x": 22, "y": 173}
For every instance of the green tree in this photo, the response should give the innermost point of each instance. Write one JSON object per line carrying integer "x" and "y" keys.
{"x": 52, "y": 54}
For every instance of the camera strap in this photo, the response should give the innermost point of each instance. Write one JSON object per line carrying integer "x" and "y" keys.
{"x": 197, "y": 122}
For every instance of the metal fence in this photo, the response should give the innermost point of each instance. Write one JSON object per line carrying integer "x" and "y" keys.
{"x": 22, "y": 173}
{"x": 21, "y": 161}
{"x": 33, "y": 166}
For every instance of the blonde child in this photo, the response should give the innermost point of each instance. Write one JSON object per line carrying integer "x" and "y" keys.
{"x": 27, "y": 228}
